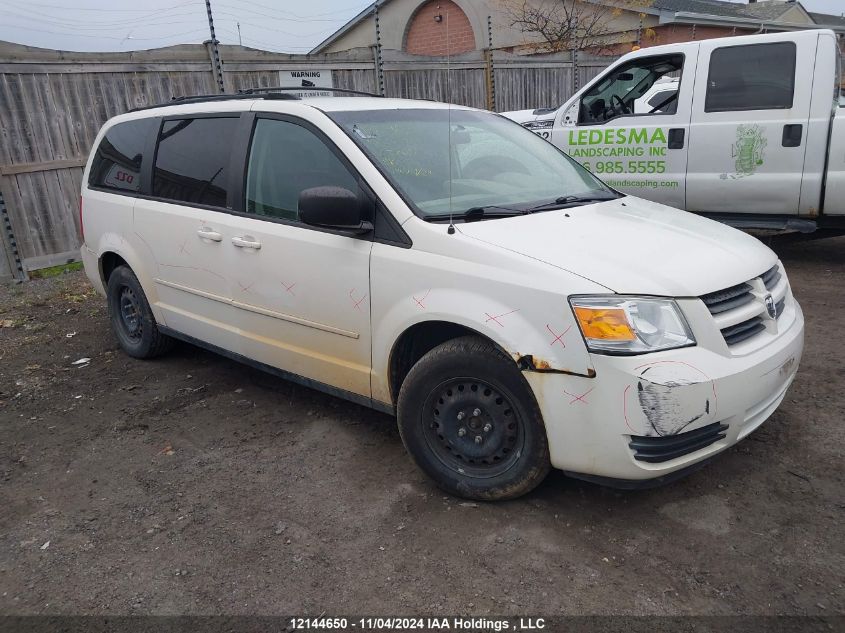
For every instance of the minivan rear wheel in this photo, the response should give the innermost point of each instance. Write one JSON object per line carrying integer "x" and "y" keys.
{"x": 470, "y": 421}
{"x": 131, "y": 318}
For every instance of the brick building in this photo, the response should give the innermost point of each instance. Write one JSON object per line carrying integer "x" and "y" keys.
{"x": 424, "y": 27}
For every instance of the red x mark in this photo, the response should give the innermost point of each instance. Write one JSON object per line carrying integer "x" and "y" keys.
{"x": 420, "y": 301}
{"x": 496, "y": 318}
{"x": 578, "y": 398}
{"x": 247, "y": 287}
{"x": 558, "y": 337}
{"x": 289, "y": 288}
{"x": 356, "y": 303}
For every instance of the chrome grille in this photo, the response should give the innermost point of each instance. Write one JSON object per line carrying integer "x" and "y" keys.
{"x": 740, "y": 310}
{"x": 741, "y": 331}
{"x": 771, "y": 277}
{"x": 728, "y": 299}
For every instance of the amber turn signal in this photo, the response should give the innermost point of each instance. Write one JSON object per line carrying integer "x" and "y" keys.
{"x": 604, "y": 323}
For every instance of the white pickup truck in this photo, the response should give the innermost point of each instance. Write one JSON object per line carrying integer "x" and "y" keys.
{"x": 749, "y": 130}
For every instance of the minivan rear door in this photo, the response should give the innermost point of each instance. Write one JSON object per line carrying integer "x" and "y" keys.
{"x": 186, "y": 225}
{"x": 749, "y": 124}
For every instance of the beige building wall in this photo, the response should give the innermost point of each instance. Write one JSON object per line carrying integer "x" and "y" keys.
{"x": 395, "y": 15}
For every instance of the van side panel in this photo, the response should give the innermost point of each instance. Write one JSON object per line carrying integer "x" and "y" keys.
{"x": 834, "y": 194}
{"x": 818, "y": 126}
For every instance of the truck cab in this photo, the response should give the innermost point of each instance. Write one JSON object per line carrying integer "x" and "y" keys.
{"x": 745, "y": 129}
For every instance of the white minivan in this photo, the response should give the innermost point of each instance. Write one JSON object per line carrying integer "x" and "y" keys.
{"x": 445, "y": 265}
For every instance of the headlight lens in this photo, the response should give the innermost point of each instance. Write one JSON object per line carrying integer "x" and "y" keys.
{"x": 539, "y": 125}
{"x": 631, "y": 325}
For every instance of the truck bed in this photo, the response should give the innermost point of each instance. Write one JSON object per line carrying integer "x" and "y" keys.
{"x": 834, "y": 197}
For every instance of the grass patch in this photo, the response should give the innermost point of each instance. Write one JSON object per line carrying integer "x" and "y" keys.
{"x": 55, "y": 271}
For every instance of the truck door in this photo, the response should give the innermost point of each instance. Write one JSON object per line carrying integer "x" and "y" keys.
{"x": 749, "y": 124}
{"x": 632, "y": 144}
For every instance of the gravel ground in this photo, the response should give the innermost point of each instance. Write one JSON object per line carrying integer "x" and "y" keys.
{"x": 193, "y": 485}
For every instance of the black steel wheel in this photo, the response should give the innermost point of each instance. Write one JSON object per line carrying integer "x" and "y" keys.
{"x": 131, "y": 318}
{"x": 472, "y": 427}
{"x": 130, "y": 314}
{"x": 470, "y": 421}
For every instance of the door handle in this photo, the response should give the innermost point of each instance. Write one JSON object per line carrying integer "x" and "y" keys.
{"x": 209, "y": 234}
{"x": 246, "y": 241}
{"x": 792, "y": 135}
{"x": 676, "y": 138}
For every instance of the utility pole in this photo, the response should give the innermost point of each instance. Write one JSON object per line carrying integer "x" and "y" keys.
{"x": 575, "y": 78}
{"x": 379, "y": 63}
{"x": 217, "y": 67}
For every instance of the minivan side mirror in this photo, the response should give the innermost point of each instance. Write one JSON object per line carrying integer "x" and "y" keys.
{"x": 334, "y": 208}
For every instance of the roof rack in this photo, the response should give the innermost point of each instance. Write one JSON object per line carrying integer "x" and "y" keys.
{"x": 215, "y": 97}
{"x": 274, "y": 89}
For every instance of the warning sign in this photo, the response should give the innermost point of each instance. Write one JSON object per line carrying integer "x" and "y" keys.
{"x": 307, "y": 78}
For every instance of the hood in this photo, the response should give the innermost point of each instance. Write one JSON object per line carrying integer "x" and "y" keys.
{"x": 525, "y": 116}
{"x": 633, "y": 246}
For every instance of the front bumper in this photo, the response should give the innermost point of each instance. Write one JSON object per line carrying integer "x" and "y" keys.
{"x": 590, "y": 422}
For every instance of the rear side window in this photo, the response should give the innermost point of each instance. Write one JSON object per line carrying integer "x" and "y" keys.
{"x": 751, "y": 77}
{"x": 660, "y": 97}
{"x": 285, "y": 159}
{"x": 117, "y": 161}
{"x": 192, "y": 160}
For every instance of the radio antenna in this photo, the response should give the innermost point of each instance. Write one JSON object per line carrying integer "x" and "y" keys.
{"x": 451, "y": 229}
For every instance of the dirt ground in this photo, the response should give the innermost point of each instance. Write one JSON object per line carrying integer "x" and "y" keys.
{"x": 194, "y": 485}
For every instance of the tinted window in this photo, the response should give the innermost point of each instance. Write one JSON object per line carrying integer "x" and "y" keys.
{"x": 192, "y": 161}
{"x": 285, "y": 159}
{"x": 117, "y": 161}
{"x": 752, "y": 77}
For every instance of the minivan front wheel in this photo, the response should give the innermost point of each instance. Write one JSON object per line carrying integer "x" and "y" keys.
{"x": 469, "y": 420}
{"x": 131, "y": 318}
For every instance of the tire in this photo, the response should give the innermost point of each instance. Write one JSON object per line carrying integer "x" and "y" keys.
{"x": 131, "y": 319}
{"x": 471, "y": 423}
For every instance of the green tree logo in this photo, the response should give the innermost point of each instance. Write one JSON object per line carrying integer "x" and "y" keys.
{"x": 748, "y": 149}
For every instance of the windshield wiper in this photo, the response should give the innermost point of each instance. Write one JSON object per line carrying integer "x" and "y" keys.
{"x": 478, "y": 213}
{"x": 574, "y": 200}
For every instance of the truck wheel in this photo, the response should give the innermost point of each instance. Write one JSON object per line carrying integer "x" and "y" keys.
{"x": 471, "y": 423}
{"x": 131, "y": 318}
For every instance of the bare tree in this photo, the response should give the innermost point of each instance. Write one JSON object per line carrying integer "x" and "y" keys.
{"x": 570, "y": 24}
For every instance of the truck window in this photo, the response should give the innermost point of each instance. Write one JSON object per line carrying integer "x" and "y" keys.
{"x": 615, "y": 94}
{"x": 192, "y": 160}
{"x": 117, "y": 161}
{"x": 751, "y": 77}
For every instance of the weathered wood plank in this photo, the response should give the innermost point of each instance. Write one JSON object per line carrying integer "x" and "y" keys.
{"x": 25, "y": 168}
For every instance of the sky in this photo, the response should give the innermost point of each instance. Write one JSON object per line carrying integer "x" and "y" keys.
{"x": 120, "y": 25}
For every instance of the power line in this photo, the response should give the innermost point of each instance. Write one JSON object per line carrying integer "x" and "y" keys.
{"x": 101, "y": 10}
{"x": 71, "y": 21}
{"x": 114, "y": 27}
{"x": 357, "y": 8}
{"x": 100, "y": 37}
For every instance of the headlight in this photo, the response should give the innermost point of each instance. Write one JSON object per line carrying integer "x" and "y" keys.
{"x": 539, "y": 125}
{"x": 630, "y": 325}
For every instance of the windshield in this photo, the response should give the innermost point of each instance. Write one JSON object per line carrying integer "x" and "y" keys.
{"x": 494, "y": 162}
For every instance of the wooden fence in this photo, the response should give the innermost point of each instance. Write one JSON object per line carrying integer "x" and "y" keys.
{"x": 52, "y": 104}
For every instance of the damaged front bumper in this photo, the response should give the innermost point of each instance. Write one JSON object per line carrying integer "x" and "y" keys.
{"x": 651, "y": 416}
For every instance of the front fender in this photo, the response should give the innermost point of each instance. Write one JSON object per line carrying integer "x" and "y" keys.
{"x": 536, "y": 329}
